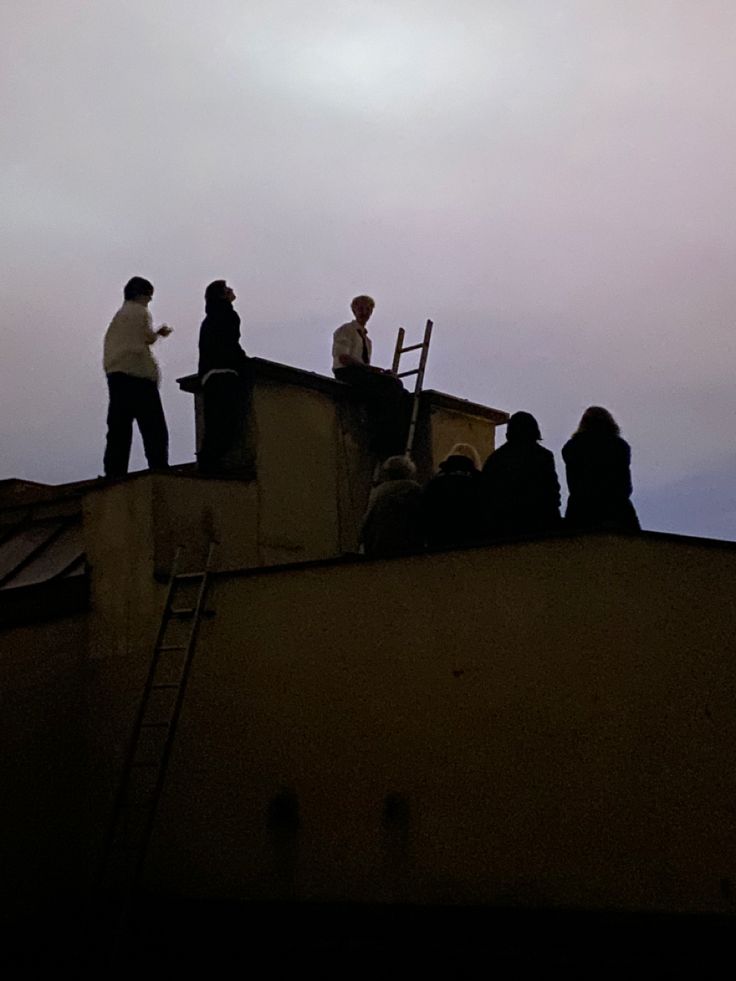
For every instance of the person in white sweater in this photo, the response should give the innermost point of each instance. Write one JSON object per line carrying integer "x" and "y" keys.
{"x": 132, "y": 380}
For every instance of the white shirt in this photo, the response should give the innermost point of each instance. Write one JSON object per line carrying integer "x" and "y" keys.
{"x": 348, "y": 339}
{"x": 128, "y": 343}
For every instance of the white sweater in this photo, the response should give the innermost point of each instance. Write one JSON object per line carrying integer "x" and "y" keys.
{"x": 128, "y": 343}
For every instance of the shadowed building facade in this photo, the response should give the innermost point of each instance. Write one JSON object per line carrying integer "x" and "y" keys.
{"x": 534, "y": 725}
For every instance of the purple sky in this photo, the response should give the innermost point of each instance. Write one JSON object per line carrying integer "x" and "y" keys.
{"x": 553, "y": 182}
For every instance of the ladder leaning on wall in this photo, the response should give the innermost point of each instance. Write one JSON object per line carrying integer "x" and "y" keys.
{"x": 144, "y": 769}
{"x": 418, "y": 371}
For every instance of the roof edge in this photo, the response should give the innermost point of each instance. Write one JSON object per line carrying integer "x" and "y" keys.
{"x": 290, "y": 375}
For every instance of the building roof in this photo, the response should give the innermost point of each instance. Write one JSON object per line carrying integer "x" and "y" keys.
{"x": 288, "y": 375}
{"x": 38, "y": 550}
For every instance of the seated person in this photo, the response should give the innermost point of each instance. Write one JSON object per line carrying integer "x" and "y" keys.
{"x": 393, "y": 520}
{"x": 382, "y": 390}
{"x": 520, "y": 485}
{"x": 452, "y": 500}
{"x": 598, "y": 465}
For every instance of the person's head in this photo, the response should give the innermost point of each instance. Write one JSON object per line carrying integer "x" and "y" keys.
{"x": 217, "y": 293}
{"x": 522, "y": 427}
{"x": 362, "y": 307}
{"x": 465, "y": 450}
{"x": 598, "y": 420}
{"x": 139, "y": 290}
{"x": 397, "y": 468}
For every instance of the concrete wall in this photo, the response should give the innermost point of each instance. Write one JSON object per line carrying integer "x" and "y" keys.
{"x": 448, "y": 427}
{"x": 308, "y": 436}
{"x": 43, "y": 777}
{"x": 71, "y": 685}
{"x": 302, "y": 459}
{"x": 542, "y": 723}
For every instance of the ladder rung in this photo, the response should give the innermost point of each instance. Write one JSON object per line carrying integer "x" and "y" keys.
{"x": 403, "y": 374}
{"x": 412, "y": 347}
{"x": 172, "y": 647}
{"x": 188, "y": 576}
{"x": 183, "y": 614}
{"x": 166, "y": 684}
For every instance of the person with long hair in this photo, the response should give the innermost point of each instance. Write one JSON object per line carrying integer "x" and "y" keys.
{"x": 224, "y": 374}
{"x": 520, "y": 485}
{"x": 598, "y": 465}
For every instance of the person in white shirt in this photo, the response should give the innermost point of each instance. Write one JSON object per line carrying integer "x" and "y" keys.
{"x": 381, "y": 389}
{"x": 132, "y": 380}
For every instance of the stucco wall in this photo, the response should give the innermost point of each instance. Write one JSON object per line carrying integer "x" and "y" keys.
{"x": 449, "y": 427}
{"x": 309, "y": 437}
{"x": 298, "y": 473}
{"x": 542, "y": 723}
{"x": 43, "y": 777}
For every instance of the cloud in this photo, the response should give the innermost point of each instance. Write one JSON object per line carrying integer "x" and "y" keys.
{"x": 551, "y": 183}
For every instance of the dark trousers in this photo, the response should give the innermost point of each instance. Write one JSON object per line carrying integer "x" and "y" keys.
{"x": 388, "y": 407}
{"x": 134, "y": 400}
{"x": 226, "y": 398}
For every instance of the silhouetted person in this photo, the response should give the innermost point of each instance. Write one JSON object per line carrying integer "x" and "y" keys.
{"x": 133, "y": 380}
{"x": 453, "y": 501}
{"x": 381, "y": 389}
{"x": 520, "y": 485}
{"x": 393, "y": 520}
{"x": 224, "y": 373}
{"x": 598, "y": 466}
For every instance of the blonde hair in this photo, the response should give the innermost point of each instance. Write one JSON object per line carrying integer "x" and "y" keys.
{"x": 466, "y": 450}
{"x": 397, "y": 468}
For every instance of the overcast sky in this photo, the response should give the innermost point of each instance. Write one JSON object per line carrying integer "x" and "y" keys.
{"x": 552, "y": 181}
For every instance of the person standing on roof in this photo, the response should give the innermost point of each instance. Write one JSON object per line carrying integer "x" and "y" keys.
{"x": 382, "y": 390}
{"x": 132, "y": 380}
{"x": 225, "y": 375}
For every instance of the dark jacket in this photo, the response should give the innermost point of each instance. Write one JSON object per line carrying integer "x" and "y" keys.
{"x": 393, "y": 521}
{"x": 219, "y": 341}
{"x": 599, "y": 480}
{"x": 521, "y": 489}
{"x": 453, "y": 504}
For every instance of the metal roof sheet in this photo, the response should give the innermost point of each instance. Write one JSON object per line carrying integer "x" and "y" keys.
{"x": 36, "y": 552}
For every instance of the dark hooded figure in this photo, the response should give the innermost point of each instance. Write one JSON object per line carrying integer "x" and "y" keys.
{"x": 520, "y": 485}
{"x": 598, "y": 463}
{"x": 392, "y": 524}
{"x": 224, "y": 374}
{"x": 453, "y": 501}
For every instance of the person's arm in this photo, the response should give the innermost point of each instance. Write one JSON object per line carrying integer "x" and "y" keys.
{"x": 624, "y": 451}
{"x": 553, "y": 482}
{"x": 146, "y": 325}
{"x": 150, "y": 336}
{"x": 488, "y": 471}
{"x": 235, "y": 353}
{"x": 573, "y": 469}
